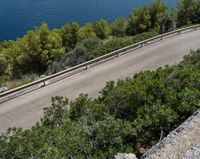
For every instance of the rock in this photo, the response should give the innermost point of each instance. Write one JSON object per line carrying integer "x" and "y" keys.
{"x": 141, "y": 150}
{"x": 193, "y": 152}
{"x": 125, "y": 156}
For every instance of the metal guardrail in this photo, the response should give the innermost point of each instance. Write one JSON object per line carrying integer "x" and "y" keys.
{"x": 104, "y": 57}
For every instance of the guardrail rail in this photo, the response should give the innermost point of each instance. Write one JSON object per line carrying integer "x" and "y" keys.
{"x": 45, "y": 81}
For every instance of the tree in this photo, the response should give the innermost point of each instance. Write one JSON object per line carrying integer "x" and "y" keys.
{"x": 102, "y": 29}
{"x": 40, "y": 48}
{"x": 139, "y": 21}
{"x": 3, "y": 64}
{"x": 36, "y": 50}
{"x": 158, "y": 12}
{"x": 66, "y": 36}
{"x": 170, "y": 22}
{"x": 196, "y": 14}
{"x": 69, "y": 35}
{"x": 186, "y": 10}
{"x": 119, "y": 26}
{"x": 53, "y": 49}
{"x": 74, "y": 32}
{"x": 43, "y": 34}
{"x": 154, "y": 120}
{"x": 54, "y": 115}
{"x": 86, "y": 32}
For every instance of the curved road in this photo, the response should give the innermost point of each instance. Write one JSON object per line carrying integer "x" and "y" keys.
{"x": 25, "y": 110}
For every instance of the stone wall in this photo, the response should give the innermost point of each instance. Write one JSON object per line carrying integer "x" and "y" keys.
{"x": 182, "y": 143}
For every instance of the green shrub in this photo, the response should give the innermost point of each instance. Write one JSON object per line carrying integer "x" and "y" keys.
{"x": 118, "y": 43}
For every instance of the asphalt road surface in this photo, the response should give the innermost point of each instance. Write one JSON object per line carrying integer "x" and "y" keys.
{"x": 26, "y": 110}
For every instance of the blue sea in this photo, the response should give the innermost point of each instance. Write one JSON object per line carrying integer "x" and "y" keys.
{"x": 19, "y": 16}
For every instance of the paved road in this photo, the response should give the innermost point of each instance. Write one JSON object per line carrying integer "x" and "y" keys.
{"x": 25, "y": 110}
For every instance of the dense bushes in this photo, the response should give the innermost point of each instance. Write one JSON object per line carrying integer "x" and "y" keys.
{"x": 42, "y": 48}
{"x": 188, "y": 12}
{"x": 102, "y": 29}
{"x": 119, "y": 26}
{"x": 128, "y": 115}
{"x": 139, "y": 21}
{"x": 118, "y": 43}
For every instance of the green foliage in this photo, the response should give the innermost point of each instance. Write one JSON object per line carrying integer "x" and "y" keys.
{"x": 158, "y": 12}
{"x": 3, "y": 65}
{"x": 86, "y": 32}
{"x": 152, "y": 121}
{"x": 196, "y": 14}
{"x": 34, "y": 52}
{"x": 129, "y": 114}
{"x": 186, "y": 11}
{"x": 102, "y": 29}
{"x": 139, "y": 21}
{"x": 118, "y": 43}
{"x": 147, "y": 18}
{"x": 169, "y": 22}
{"x": 66, "y": 36}
{"x": 76, "y": 56}
{"x": 90, "y": 43}
{"x": 119, "y": 27}
{"x": 69, "y": 35}
{"x": 74, "y": 31}
{"x": 54, "y": 116}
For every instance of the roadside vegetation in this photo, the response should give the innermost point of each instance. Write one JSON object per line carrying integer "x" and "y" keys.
{"x": 45, "y": 51}
{"x": 129, "y": 116}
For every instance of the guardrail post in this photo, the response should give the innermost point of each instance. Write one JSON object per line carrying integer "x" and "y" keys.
{"x": 86, "y": 67}
{"x": 161, "y": 37}
{"x": 43, "y": 84}
{"x": 142, "y": 44}
{"x": 46, "y": 83}
{"x": 195, "y": 28}
{"x": 179, "y": 32}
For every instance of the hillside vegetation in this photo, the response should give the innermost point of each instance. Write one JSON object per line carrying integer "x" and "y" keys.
{"x": 44, "y": 51}
{"x": 129, "y": 116}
